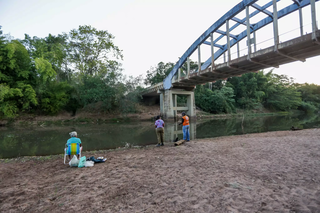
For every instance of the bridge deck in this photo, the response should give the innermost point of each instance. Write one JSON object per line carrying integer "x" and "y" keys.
{"x": 293, "y": 50}
{"x": 296, "y": 49}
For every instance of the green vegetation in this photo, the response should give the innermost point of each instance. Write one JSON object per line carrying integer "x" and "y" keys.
{"x": 82, "y": 70}
{"x": 252, "y": 92}
{"x": 257, "y": 92}
{"x": 71, "y": 71}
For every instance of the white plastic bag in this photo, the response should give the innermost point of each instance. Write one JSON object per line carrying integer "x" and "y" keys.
{"x": 89, "y": 164}
{"x": 74, "y": 161}
{"x": 82, "y": 161}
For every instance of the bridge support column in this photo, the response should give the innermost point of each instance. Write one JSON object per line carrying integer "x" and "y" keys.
{"x": 168, "y": 103}
{"x": 191, "y": 105}
{"x": 161, "y": 104}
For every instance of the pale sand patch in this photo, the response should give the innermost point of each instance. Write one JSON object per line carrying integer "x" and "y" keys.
{"x": 265, "y": 172}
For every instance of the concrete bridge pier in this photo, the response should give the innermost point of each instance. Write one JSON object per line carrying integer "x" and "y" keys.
{"x": 168, "y": 103}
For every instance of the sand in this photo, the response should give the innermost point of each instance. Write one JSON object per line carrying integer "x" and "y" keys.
{"x": 265, "y": 172}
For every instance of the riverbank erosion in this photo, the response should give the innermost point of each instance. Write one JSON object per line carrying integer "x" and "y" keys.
{"x": 263, "y": 172}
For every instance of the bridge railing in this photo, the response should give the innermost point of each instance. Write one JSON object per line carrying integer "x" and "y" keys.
{"x": 248, "y": 24}
{"x": 261, "y": 44}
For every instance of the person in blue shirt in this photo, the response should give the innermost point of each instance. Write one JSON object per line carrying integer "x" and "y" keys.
{"x": 74, "y": 139}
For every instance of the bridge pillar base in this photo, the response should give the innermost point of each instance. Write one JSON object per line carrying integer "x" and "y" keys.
{"x": 168, "y": 103}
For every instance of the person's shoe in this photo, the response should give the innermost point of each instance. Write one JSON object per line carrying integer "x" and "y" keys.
{"x": 161, "y": 144}
{"x": 188, "y": 140}
{"x": 158, "y": 145}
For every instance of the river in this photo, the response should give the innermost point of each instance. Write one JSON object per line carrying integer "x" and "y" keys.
{"x": 48, "y": 140}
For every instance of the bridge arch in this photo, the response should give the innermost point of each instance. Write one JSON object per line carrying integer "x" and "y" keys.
{"x": 278, "y": 53}
{"x": 244, "y": 5}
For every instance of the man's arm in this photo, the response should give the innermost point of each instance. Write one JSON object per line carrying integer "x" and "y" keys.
{"x": 182, "y": 120}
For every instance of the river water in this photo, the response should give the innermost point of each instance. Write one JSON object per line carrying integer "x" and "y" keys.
{"x": 48, "y": 140}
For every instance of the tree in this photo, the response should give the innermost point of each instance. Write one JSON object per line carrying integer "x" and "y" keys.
{"x": 48, "y": 56}
{"x": 159, "y": 73}
{"x": 95, "y": 89}
{"x": 249, "y": 89}
{"x": 16, "y": 92}
{"x": 54, "y": 50}
{"x": 281, "y": 93}
{"x": 310, "y": 95}
{"x": 217, "y": 101}
{"x": 132, "y": 96}
{"x": 92, "y": 52}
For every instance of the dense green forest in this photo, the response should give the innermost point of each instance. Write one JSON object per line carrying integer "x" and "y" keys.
{"x": 65, "y": 72}
{"x": 82, "y": 70}
{"x": 252, "y": 91}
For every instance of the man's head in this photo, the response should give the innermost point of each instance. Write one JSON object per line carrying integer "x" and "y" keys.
{"x": 73, "y": 134}
{"x": 183, "y": 113}
{"x": 158, "y": 117}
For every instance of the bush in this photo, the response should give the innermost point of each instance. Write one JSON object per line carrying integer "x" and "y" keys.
{"x": 307, "y": 107}
{"x": 218, "y": 101}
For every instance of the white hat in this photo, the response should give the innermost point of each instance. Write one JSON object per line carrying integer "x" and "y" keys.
{"x": 73, "y": 134}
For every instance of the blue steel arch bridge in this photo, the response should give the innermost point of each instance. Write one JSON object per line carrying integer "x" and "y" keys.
{"x": 239, "y": 26}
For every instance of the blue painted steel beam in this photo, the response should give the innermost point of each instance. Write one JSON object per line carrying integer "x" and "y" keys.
{"x": 188, "y": 53}
{"x": 216, "y": 45}
{"x": 239, "y": 22}
{"x": 256, "y": 6}
{"x": 224, "y": 33}
{"x": 259, "y": 25}
{"x": 231, "y": 13}
{"x": 244, "y": 20}
{"x": 297, "y": 2}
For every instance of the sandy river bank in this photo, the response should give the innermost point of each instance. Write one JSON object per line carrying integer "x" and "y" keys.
{"x": 265, "y": 172}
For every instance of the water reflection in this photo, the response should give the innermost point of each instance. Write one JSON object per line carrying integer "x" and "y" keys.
{"x": 173, "y": 131}
{"x": 51, "y": 140}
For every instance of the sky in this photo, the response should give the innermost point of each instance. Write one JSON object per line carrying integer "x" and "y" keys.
{"x": 147, "y": 31}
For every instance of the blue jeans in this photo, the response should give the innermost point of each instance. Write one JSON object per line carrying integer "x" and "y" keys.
{"x": 186, "y": 132}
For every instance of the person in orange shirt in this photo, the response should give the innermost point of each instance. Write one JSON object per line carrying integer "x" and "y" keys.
{"x": 185, "y": 127}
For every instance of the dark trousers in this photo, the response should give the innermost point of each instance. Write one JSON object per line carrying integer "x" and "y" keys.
{"x": 160, "y": 134}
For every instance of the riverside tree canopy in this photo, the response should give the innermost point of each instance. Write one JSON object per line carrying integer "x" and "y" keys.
{"x": 64, "y": 72}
